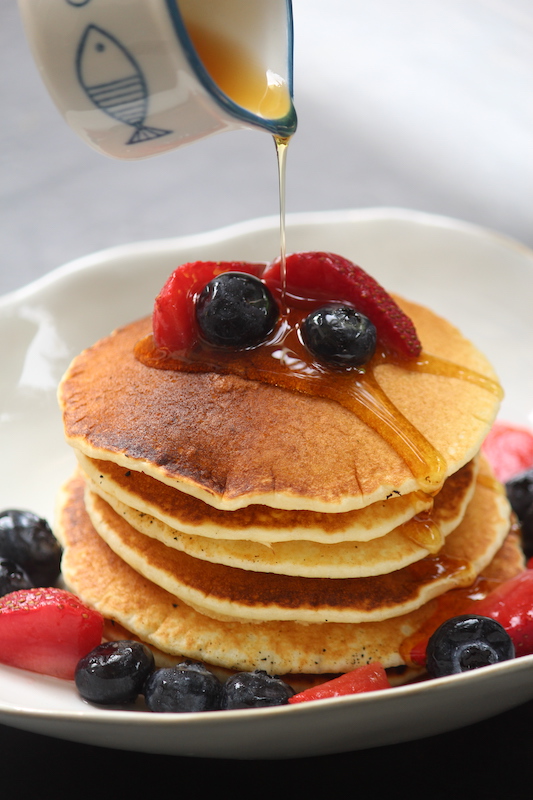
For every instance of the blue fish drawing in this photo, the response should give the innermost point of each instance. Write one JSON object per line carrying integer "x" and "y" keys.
{"x": 114, "y": 82}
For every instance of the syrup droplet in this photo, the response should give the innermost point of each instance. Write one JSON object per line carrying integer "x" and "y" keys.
{"x": 423, "y": 530}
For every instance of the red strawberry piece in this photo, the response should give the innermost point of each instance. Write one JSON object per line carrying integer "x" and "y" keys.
{"x": 510, "y": 604}
{"x": 327, "y": 277}
{"x": 47, "y": 631}
{"x": 509, "y": 450}
{"x": 368, "y": 678}
{"x": 173, "y": 320}
{"x": 418, "y": 653}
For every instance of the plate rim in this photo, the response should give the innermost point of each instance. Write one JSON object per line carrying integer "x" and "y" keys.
{"x": 100, "y": 713}
{"x": 100, "y": 716}
{"x": 263, "y": 223}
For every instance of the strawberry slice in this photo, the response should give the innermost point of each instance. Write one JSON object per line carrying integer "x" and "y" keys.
{"x": 368, "y": 678}
{"x": 327, "y": 277}
{"x": 47, "y": 631}
{"x": 509, "y": 450}
{"x": 173, "y": 320}
{"x": 510, "y": 604}
{"x": 418, "y": 653}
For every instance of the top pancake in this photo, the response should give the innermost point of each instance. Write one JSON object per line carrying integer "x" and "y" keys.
{"x": 233, "y": 442}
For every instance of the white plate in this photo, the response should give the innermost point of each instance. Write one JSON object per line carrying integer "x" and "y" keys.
{"x": 481, "y": 281}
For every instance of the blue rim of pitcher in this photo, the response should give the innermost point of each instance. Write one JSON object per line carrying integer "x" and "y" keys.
{"x": 279, "y": 126}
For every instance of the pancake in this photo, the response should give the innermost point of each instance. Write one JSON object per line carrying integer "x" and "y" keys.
{"x": 103, "y": 580}
{"x": 233, "y": 442}
{"x": 298, "y": 557}
{"x": 230, "y": 593}
{"x": 255, "y": 523}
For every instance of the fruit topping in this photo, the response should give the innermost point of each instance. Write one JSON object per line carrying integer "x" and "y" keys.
{"x": 235, "y": 310}
{"x": 114, "y": 672}
{"x": 368, "y": 678}
{"x": 511, "y": 604}
{"x": 28, "y": 540}
{"x": 174, "y": 319}
{"x": 509, "y": 449}
{"x": 255, "y": 690}
{"x": 327, "y": 277}
{"x": 186, "y": 687}
{"x": 230, "y": 304}
{"x": 12, "y": 577}
{"x": 340, "y": 335}
{"x": 520, "y": 493}
{"x": 467, "y": 642}
{"x": 47, "y": 630}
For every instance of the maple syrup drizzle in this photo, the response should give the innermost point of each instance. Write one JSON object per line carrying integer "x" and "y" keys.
{"x": 284, "y": 361}
{"x": 440, "y": 366}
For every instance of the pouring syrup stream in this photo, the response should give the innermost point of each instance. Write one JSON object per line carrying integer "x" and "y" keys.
{"x": 282, "y": 144}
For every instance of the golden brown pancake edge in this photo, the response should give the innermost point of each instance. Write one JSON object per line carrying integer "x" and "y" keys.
{"x": 233, "y": 442}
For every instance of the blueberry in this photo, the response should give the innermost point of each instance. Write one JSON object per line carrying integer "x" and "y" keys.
{"x": 467, "y": 642}
{"x": 12, "y": 577}
{"x": 340, "y": 335}
{"x": 186, "y": 687}
{"x": 255, "y": 690}
{"x": 236, "y": 310}
{"x": 520, "y": 494}
{"x": 28, "y": 540}
{"x": 114, "y": 673}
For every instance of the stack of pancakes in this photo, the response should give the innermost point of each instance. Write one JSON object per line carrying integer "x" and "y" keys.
{"x": 253, "y": 527}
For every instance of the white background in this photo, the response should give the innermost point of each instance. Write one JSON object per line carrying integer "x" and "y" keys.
{"x": 422, "y": 104}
